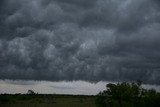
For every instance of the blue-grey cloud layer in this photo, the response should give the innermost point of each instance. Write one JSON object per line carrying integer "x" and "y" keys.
{"x": 93, "y": 40}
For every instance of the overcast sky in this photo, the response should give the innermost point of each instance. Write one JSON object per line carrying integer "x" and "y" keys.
{"x": 89, "y": 40}
{"x": 46, "y": 87}
{"x": 62, "y": 87}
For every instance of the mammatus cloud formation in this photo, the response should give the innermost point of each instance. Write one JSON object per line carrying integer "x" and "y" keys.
{"x": 92, "y": 40}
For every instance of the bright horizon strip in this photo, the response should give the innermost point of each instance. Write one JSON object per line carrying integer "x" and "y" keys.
{"x": 61, "y": 87}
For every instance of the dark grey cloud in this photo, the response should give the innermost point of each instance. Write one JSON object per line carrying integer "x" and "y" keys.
{"x": 93, "y": 40}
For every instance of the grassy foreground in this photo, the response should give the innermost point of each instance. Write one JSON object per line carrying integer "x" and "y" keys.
{"x": 49, "y": 100}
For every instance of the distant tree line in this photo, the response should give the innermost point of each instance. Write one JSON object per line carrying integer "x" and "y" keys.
{"x": 31, "y": 92}
{"x": 128, "y": 95}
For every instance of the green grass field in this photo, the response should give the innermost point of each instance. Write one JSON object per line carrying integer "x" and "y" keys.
{"x": 38, "y": 100}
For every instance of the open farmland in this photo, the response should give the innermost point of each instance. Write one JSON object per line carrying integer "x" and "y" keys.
{"x": 39, "y": 100}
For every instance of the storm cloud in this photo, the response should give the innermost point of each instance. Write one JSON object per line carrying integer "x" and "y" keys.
{"x": 91, "y": 40}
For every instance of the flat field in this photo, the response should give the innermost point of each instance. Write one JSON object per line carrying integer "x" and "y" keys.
{"x": 49, "y": 100}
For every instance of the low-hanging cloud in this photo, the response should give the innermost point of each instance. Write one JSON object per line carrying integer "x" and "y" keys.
{"x": 92, "y": 40}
